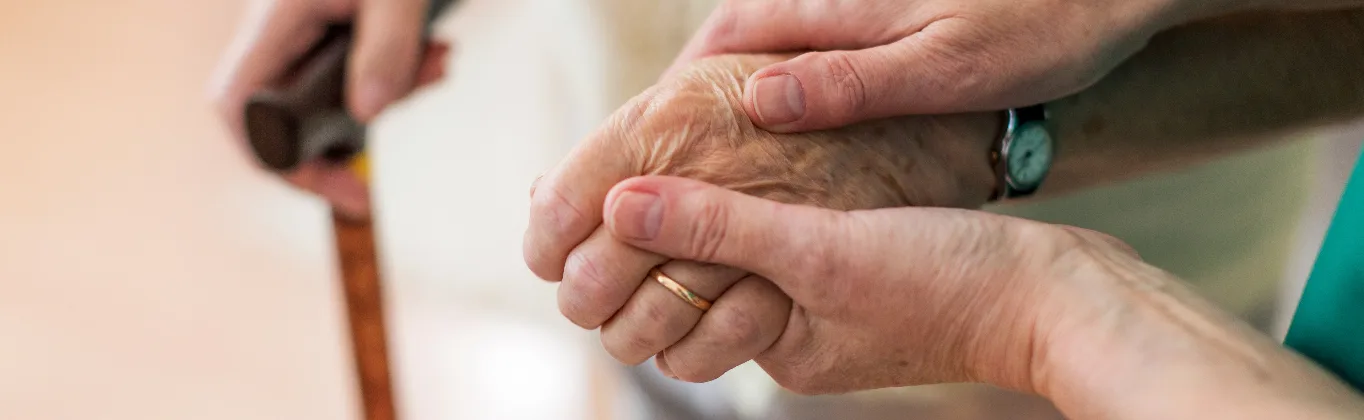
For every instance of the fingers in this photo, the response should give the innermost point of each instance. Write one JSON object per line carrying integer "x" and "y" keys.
{"x": 655, "y": 318}
{"x": 788, "y": 25}
{"x": 831, "y": 89}
{"x": 663, "y": 368}
{"x": 600, "y": 275}
{"x": 271, "y": 37}
{"x": 746, "y": 26}
{"x": 432, "y": 67}
{"x": 384, "y": 60}
{"x": 692, "y": 220}
{"x": 566, "y": 203}
{"x": 275, "y": 36}
{"x": 743, "y": 323}
{"x": 342, "y": 188}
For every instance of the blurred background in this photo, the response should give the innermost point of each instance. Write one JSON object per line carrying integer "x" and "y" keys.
{"x": 149, "y": 271}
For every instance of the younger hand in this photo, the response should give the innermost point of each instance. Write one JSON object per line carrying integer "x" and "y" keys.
{"x": 389, "y": 58}
{"x": 879, "y": 58}
{"x": 910, "y": 296}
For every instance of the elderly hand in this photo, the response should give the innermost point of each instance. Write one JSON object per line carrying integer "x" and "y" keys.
{"x": 911, "y": 296}
{"x": 389, "y": 60}
{"x": 883, "y": 58}
{"x": 692, "y": 126}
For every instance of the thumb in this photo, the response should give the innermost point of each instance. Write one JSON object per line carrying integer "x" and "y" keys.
{"x": 386, "y": 55}
{"x": 691, "y": 220}
{"x": 822, "y": 90}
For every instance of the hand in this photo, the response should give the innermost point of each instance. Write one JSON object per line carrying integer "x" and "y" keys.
{"x": 910, "y": 296}
{"x": 389, "y": 59}
{"x": 692, "y": 125}
{"x": 885, "y": 58}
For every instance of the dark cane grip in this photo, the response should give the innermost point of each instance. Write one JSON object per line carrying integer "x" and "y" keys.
{"x": 304, "y": 117}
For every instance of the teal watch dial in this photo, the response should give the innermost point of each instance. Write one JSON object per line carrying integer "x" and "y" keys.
{"x": 1028, "y": 157}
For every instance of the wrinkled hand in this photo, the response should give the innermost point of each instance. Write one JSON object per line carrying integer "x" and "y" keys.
{"x": 882, "y": 298}
{"x": 692, "y": 126}
{"x": 389, "y": 59}
{"x": 909, "y": 296}
{"x": 883, "y": 58}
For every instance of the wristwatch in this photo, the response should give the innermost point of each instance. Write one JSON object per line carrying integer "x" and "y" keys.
{"x": 1022, "y": 157}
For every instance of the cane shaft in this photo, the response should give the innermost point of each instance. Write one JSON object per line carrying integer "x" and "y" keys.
{"x": 365, "y": 310}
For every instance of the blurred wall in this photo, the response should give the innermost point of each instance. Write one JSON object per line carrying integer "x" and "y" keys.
{"x": 147, "y": 271}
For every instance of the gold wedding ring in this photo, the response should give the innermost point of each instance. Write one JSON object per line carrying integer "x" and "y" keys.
{"x": 679, "y": 290}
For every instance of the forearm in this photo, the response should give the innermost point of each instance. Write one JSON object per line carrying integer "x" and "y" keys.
{"x": 1151, "y": 348}
{"x": 1207, "y": 89}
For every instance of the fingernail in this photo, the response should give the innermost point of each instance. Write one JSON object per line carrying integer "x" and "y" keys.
{"x": 638, "y": 215}
{"x": 534, "y": 184}
{"x": 779, "y": 99}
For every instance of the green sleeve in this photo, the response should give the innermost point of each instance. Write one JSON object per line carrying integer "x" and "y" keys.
{"x": 1328, "y": 326}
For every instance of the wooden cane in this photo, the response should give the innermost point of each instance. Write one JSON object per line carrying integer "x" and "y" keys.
{"x": 360, "y": 279}
{"x": 303, "y": 118}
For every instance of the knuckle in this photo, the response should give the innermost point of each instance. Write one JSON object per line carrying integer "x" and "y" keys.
{"x": 655, "y": 314}
{"x": 574, "y": 310}
{"x": 584, "y": 289}
{"x": 537, "y": 261}
{"x": 805, "y": 364}
{"x": 739, "y": 329}
{"x": 552, "y": 210}
{"x": 612, "y": 344}
{"x": 632, "y": 346}
{"x": 708, "y": 232}
{"x": 631, "y": 116}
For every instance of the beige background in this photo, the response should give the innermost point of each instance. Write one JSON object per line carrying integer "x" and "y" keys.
{"x": 147, "y": 271}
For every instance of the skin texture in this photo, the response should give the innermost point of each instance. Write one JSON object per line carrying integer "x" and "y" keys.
{"x": 909, "y": 296}
{"x": 389, "y": 59}
{"x": 875, "y": 58}
{"x": 1137, "y": 121}
{"x": 692, "y": 125}
{"x": 1256, "y": 77}
{"x": 1202, "y": 91}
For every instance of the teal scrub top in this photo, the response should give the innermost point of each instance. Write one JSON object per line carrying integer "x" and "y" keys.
{"x": 1328, "y": 326}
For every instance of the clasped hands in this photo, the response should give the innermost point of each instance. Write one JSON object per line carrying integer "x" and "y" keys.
{"x": 774, "y": 230}
{"x": 848, "y": 260}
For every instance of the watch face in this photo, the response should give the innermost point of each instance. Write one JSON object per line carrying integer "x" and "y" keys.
{"x": 1030, "y": 155}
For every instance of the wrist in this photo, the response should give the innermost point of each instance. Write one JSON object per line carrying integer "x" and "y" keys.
{"x": 1133, "y": 342}
{"x": 964, "y": 149}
